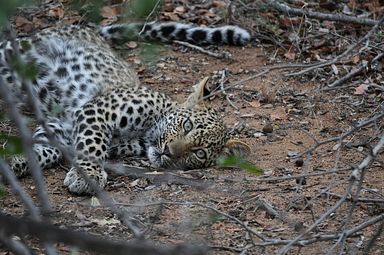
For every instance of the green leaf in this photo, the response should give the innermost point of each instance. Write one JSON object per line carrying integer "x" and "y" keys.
{"x": 3, "y": 192}
{"x": 57, "y": 109}
{"x": 142, "y": 8}
{"x": 150, "y": 53}
{"x": 25, "y": 45}
{"x": 27, "y": 71}
{"x": 11, "y": 145}
{"x": 232, "y": 161}
{"x": 8, "y": 7}
{"x": 215, "y": 217}
{"x": 90, "y": 9}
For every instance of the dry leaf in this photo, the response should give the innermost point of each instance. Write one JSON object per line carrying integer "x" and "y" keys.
{"x": 56, "y": 12}
{"x": 24, "y": 25}
{"x": 170, "y": 16}
{"x": 103, "y": 222}
{"x": 109, "y": 12}
{"x": 179, "y": 10}
{"x": 290, "y": 55}
{"x": 277, "y": 115}
{"x": 218, "y": 3}
{"x": 149, "y": 81}
{"x": 356, "y": 59}
{"x": 95, "y": 201}
{"x": 255, "y": 104}
{"x": 335, "y": 70}
{"x": 131, "y": 44}
{"x": 361, "y": 89}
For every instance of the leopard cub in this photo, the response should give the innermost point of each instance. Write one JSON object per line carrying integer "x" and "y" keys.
{"x": 95, "y": 105}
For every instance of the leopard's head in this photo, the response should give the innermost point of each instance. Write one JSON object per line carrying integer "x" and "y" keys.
{"x": 192, "y": 135}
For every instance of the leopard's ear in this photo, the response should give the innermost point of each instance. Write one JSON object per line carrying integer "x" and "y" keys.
{"x": 236, "y": 148}
{"x": 197, "y": 97}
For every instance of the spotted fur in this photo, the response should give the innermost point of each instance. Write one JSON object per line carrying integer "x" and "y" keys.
{"x": 96, "y": 107}
{"x": 170, "y": 31}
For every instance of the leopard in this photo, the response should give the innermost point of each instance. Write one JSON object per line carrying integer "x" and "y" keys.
{"x": 95, "y": 106}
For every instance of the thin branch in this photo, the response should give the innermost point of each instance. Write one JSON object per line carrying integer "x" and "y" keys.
{"x": 25, "y": 133}
{"x": 320, "y": 16}
{"x": 49, "y": 233}
{"x": 18, "y": 190}
{"x": 344, "y": 54}
{"x": 202, "y": 50}
{"x": 355, "y": 176}
{"x": 374, "y": 238}
{"x": 221, "y": 81}
{"x": 341, "y": 137}
{"x": 324, "y": 216}
{"x": 245, "y": 226}
{"x": 352, "y": 74}
{"x": 360, "y": 200}
{"x": 156, "y": 177}
{"x": 15, "y": 246}
{"x": 149, "y": 15}
{"x": 321, "y": 238}
{"x": 298, "y": 176}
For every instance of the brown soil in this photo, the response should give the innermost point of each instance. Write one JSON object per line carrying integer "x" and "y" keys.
{"x": 277, "y": 116}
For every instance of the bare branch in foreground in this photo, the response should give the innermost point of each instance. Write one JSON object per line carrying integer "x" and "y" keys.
{"x": 355, "y": 176}
{"x": 15, "y": 246}
{"x": 17, "y": 190}
{"x": 374, "y": 238}
{"x": 49, "y": 233}
{"x": 26, "y": 138}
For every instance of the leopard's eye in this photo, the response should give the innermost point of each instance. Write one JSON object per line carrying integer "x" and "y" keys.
{"x": 187, "y": 125}
{"x": 200, "y": 153}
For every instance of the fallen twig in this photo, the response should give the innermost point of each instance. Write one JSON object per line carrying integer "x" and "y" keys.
{"x": 245, "y": 226}
{"x": 156, "y": 177}
{"x": 342, "y": 55}
{"x": 341, "y": 137}
{"x": 351, "y": 74}
{"x": 360, "y": 200}
{"x": 224, "y": 55}
{"x": 221, "y": 81}
{"x": 283, "y": 8}
{"x": 355, "y": 176}
{"x": 321, "y": 238}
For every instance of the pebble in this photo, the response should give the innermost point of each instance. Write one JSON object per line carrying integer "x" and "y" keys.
{"x": 267, "y": 129}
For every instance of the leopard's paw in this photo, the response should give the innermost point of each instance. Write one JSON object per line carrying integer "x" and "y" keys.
{"x": 77, "y": 184}
{"x": 19, "y": 166}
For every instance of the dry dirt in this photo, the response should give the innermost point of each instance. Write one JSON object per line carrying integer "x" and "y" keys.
{"x": 276, "y": 116}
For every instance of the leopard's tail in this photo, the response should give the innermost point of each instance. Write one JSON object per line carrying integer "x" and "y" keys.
{"x": 170, "y": 31}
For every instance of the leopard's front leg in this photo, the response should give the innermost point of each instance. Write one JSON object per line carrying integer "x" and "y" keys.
{"x": 92, "y": 135}
{"x": 120, "y": 111}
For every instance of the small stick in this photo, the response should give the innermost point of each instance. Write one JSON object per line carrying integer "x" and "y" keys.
{"x": 345, "y": 53}
{"x": 351, "y": 74}
{"x": 222, "y": 79}
{"x": 244, "y": 225}
{"x": 202, "y": 50}
{"x": 320, "y": 16}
